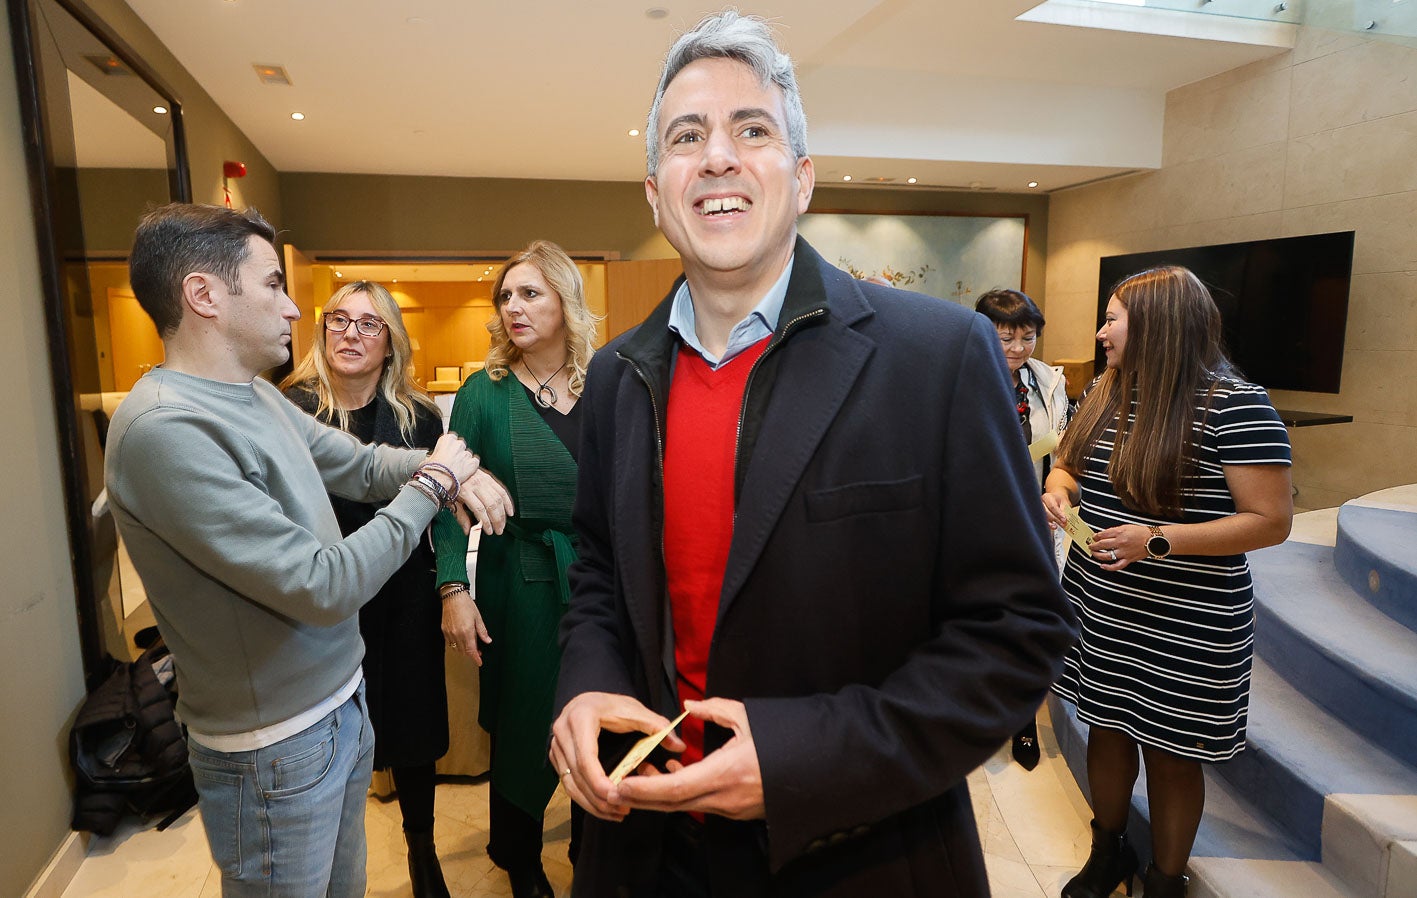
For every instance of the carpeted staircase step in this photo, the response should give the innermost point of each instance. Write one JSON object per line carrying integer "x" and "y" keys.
{"x": 1227, "y": 877}
{"x": 1232, "y": 826}
{"x": 1376, "y": 554}
{"x": 1297, "y": 754}
{"x": 1345, "y": 655}
{"x": 1370, "y": 841}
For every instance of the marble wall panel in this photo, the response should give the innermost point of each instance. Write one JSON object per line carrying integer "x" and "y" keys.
{"x": 1350, "y": 460}
{"x": 1367, "y": 159}
{"x": 1313, "y": 43}
{"x": 1351, "y": 86}
{"x": 1072, "y": 323}
{"x": 1280, "y": 61}
{"x": 1386, "y": 226}
{"x": 1243, "y": 182}
{"x": 1382, "y": 313}
{"x": 1245, "y": 114}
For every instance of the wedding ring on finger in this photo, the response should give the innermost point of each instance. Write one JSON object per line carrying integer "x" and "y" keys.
{"x": 1113, "y": 553}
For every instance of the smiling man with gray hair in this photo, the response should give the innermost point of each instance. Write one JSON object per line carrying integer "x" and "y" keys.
{"x": 807, "y": 516}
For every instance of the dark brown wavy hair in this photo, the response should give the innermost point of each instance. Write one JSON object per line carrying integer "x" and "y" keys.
{"x": 1173, "y": 353}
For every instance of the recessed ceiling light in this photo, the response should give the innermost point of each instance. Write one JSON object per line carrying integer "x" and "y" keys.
{"x": 339, "y": 274}
{"x": 634, "y": 132}
{"x": 1032, "y": 183}
{"x": 846, "y": 177}
{"x": 270, "y": 73}
{"x": 298, "y": 116}
{"x": 910, "y": 180}
{"x": 656, "y": 12}
{"x": 160, "y": 110}
{"x": 396, "y": 280}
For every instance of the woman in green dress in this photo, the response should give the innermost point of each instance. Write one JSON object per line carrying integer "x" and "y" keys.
{"x": 521, "y": 415}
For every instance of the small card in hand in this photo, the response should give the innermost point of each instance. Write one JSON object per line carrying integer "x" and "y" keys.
{"x": 641, "y": 750}
{"x": 1043, "y": 445}
{"x": 1078, "y": 530}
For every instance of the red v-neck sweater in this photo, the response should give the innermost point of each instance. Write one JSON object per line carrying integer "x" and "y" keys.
{"x": 700, "y": 445}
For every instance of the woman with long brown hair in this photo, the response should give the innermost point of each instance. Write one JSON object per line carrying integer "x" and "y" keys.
{"x": 357, "y": 377}
{"x": 1180, "y": 467}
{"x": 522, "y": 415}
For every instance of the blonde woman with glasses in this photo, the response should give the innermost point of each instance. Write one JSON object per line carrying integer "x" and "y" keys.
{"x": 357, "y": 377}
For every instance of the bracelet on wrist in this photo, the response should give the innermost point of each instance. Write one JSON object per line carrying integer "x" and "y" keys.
{"x": 431, "y": 484}
{"x": 443, "y": 469}
{"x": 426, "y": 491}
{"x": 448, "y": 591}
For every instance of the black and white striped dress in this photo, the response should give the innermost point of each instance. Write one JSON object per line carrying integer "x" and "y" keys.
{"x": 1165, "y": 645}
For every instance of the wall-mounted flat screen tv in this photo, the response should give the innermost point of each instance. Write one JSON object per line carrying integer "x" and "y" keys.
{"x": 1283, "y": 303}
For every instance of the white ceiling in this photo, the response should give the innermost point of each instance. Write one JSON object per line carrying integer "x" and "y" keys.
{"x": 952, "y": 92}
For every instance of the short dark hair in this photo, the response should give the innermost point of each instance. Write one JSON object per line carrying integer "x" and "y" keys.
{"x": 1010, "y": 308}
{"x": 174, "y": 240}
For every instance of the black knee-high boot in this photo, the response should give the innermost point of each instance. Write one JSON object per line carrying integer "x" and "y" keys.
{"x": 1111, "y": 863}
{"x": 424, "y": 871}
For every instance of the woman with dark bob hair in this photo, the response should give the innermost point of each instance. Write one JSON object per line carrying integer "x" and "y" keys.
{"x": 1041, "y": 397}
{"x": 1180, "y": 467}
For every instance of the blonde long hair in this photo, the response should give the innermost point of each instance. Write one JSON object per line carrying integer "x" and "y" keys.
{"x": 1173, "y": 352}
{"x": 396, "y": 383}
{"x": 562, "y": 276}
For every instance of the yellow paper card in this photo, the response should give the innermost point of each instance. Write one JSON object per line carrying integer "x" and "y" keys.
{"x": 642, "y": 749}
{"x": 1043, "y": 445}
{"x": 1078, "y": 530}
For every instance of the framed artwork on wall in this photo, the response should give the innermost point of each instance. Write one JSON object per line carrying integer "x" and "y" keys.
{"x": 952, "y": 257}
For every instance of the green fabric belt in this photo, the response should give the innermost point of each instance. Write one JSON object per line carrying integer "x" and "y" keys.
{"x": 562, "y": 546}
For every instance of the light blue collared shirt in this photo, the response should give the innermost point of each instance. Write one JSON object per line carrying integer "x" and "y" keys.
{"x": 760, "y": 323}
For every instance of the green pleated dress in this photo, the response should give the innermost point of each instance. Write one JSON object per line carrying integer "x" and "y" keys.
{"x": 521, "y": 579}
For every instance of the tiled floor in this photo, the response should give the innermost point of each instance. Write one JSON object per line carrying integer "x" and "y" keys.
{"x": 1033, "y": 826}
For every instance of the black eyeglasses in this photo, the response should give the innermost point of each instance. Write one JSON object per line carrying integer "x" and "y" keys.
{"x": 338, "y": 323}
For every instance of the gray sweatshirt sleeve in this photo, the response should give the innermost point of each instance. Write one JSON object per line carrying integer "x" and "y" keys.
{"x": 257, "y": 520}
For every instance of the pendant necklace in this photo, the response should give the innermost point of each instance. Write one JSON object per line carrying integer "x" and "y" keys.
{"x": 545, "y": 394}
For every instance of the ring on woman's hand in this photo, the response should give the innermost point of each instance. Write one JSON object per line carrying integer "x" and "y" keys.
{"x": 452, "y": 645}
{"x": 565, "y": 773}
{"x": 1114, "y": 555}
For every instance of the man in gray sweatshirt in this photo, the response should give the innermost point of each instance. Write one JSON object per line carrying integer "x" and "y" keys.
{"x": 218, "y": 485}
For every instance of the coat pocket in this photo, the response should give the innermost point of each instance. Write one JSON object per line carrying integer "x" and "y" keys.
{"x": 872, "y": 497}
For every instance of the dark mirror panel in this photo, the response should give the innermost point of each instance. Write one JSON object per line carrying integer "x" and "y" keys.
{"x": 1283, "y": 303}
{"x": 105, "y": 137}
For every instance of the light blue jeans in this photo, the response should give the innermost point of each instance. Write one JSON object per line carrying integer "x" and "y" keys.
{"x": 288, "y": 819}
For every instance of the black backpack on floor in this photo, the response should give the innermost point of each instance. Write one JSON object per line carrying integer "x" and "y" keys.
{"x": 127, "y": 749}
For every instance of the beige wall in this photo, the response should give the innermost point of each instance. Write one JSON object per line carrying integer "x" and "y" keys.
{"x": 1319, "y": 139}
{"x": 211, "y": 137}
{"x": 39, "y": 638}
{"x": 390, "y": 213}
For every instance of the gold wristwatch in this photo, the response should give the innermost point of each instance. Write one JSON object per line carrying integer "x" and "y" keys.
{"x": 1157, "y": 546}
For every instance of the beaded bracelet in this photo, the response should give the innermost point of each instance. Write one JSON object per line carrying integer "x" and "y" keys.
{"x": 436, "y": 466}
{"x": 445, "y": 498}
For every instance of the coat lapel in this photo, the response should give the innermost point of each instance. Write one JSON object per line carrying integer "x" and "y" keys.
{"x": 817, "y": 370}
